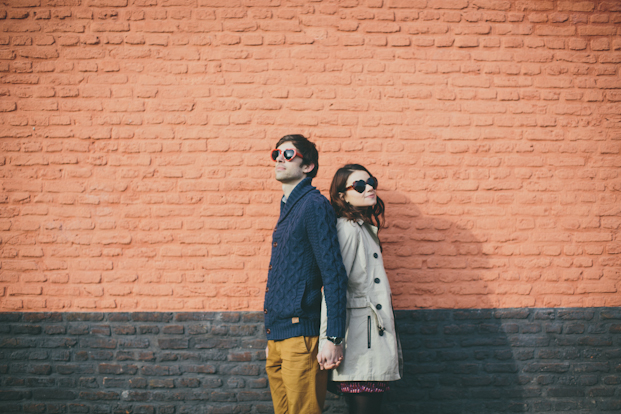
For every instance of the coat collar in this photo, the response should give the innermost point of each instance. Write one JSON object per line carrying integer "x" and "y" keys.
{"x": 300, "y": 190}
{"x": 361, "y": 223}
{"x": 371, "y": 229}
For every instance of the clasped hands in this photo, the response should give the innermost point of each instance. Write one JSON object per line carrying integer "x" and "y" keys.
{"x": 330, "y": 356}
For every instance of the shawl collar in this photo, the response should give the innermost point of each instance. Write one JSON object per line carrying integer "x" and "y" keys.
{"x": 300, "y": 190}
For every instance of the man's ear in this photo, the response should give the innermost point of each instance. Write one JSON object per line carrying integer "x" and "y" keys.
{"x": 308, "y": 168}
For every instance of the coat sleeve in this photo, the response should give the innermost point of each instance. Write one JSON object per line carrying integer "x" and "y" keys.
{"x": 348, "y": 242}
{"x": 321, "y": 230}
{"x": 324, "y": 322}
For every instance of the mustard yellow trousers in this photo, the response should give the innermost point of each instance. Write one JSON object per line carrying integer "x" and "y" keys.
{"x": 297, "y": 384}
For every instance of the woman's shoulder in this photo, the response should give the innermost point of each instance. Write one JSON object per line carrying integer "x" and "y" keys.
{"x": 347, "y": 228}
{"x": 346, "y": 223}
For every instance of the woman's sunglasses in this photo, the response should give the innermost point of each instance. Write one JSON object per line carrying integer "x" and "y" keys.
{"x": 361, "y": 185}
{"x": 288, "y": 154}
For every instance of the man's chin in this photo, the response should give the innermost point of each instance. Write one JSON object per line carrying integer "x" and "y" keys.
{"x": 281, "y": 178}
{"x": 286, "y": 179}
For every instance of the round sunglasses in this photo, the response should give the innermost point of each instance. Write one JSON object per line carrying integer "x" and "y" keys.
{"x": 361, "y": 185}
{"x": 288, "y": 154}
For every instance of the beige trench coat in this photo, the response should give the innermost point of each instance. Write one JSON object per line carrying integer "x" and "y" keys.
{"x": 371, "y": 348}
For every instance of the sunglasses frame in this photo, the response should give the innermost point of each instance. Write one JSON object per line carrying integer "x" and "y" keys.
{"x": 353, "y": 186}
{"x": 296, "y": 153}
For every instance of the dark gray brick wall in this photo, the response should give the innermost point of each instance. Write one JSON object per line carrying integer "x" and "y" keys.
{"x": 456, "y": 361}
{"x": 510, "y": 360}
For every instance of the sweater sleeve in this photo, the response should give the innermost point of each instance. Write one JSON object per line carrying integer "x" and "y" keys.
{"x": 321, "y": 230}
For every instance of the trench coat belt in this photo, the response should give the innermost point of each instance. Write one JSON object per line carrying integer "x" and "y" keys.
{"x": 360, "y": 303}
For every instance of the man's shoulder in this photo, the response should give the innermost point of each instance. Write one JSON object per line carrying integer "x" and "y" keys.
{"x": 316, "y": 195}
{"x": 315, "y": 199}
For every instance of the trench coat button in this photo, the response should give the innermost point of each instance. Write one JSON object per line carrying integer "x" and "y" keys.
{"x": 270, "y": 267}
{"x": 264, "y": 310}
{"x": 377, "y": 280}
{"x": 381, "y": 333}
{"x": 375, "y": 255}
{"x": 275, "y": 244}
{"x": 378, "y": 306}
{"x": 268, "y": 331}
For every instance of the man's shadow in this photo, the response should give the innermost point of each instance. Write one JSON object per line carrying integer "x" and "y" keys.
{"x": 457, "y": 348}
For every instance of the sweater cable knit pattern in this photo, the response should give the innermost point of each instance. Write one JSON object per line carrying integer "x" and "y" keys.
{"x": 305, "y": 256}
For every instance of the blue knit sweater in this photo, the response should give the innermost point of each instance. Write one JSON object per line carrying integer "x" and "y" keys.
{"x": 305, "y": 256}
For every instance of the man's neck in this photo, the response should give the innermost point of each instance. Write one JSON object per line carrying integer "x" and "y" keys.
{"x": 288, "y": 187}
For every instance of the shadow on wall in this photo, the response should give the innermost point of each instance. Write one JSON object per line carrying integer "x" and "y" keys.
{"x": 457, "y": 359}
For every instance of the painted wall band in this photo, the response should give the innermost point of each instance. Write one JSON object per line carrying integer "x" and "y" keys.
{"x": 456, "y": 361}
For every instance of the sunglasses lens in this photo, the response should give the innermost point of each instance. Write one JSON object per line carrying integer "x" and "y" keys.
{"x": 360, "y": 186}
{"x": 274, "y": 154}
{"x": 289, "y": 154}
{"x": 372, "y": 181}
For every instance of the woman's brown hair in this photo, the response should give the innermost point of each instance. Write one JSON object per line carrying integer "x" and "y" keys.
{"x": 373, "y": 214}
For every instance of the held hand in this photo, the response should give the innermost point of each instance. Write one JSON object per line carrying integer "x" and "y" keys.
{"x": 330, "y": 356}
{"x": 266, "y": 351}
{"x": 321, "y": 359}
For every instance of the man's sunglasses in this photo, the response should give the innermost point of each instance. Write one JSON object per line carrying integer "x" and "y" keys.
{"x": 288, "y": 154}
{"x": 361, "y": 185}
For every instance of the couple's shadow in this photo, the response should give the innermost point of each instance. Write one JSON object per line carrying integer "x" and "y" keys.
{"x": 457, "y": 355}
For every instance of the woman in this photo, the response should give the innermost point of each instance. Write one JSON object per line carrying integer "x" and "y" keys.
{"x": 371, "y": 350}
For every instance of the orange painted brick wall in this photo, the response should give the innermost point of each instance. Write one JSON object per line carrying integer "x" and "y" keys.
{"x": 134, "y": 142}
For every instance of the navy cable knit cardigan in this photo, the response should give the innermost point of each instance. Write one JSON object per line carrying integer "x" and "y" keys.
{"x": 305, "y": 256}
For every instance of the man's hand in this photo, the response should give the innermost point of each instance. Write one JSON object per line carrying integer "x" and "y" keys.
{"x": 266, "y": 351}
{"x": 330, "y": 356}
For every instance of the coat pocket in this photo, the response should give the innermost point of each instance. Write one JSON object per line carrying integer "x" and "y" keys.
{"x": 369, "y": 331}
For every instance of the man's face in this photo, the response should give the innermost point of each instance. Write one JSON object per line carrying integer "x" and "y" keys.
{"x": 290, "y": 171}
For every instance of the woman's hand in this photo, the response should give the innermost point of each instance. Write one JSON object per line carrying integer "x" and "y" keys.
{"x": 330, "y": 356}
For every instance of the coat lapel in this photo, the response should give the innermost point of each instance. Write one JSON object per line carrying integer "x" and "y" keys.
{"x": 300, "y": 190}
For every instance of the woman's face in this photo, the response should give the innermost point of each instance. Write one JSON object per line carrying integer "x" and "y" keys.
{"x": 365, "y": 199}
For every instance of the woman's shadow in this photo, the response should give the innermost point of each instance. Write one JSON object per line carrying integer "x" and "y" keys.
{"x": 457, "y": 349}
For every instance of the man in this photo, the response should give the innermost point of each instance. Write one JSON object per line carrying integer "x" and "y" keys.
{"x": 305, "y": 257}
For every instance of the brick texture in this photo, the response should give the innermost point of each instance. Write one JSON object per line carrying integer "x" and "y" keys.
{"x": 456, "y": 361}
{"x": 134, "y": 137}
